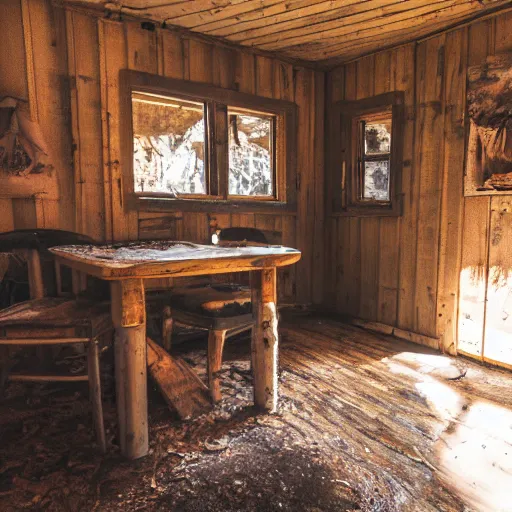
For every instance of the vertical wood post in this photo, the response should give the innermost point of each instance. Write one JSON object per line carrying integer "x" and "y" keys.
{"x": 129, "y": 318}
{"x": 264, "y": 338}
{"x": 35, "y": 274}
{"x": 36, "y": 287}
{"x": 78, "y": 282}
{"x": 216, "y": 341}
{"x": 167, "y": 324}
{"x": 58, "y": 278}
{"x": 93, "y": 372}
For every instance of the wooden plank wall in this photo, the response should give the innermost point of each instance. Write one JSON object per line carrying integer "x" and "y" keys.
{"x": 33, "y": 68}
{"x": 77, "y": 66}
{"x": 404, "y": 272}
{"x": 485, "y": 319}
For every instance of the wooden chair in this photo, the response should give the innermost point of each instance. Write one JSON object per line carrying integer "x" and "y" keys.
{"x": 223, "y": 309}
{"x": 51, "y": 321}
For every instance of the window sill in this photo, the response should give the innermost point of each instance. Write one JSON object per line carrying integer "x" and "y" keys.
{"x": 392, "y": 210}
{"x": 365, "y": 213}
{"x": 158, "y": 204}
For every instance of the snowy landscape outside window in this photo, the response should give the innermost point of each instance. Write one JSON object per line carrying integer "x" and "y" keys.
{"x": 375, "y": 158}
{"x": 251, "y": 158}
{"x": 169, "y": 145}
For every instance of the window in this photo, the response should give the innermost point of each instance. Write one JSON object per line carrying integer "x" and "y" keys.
{"x": 374, "y": 158}
{"x": 193, "y": 146}
{"x": 251, "y": 154}
{"x": 169, "y": 145}
{"x": 366, "y": 151}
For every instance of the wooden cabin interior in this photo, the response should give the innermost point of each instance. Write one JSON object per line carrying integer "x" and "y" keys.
{"x": 348, "y": 164}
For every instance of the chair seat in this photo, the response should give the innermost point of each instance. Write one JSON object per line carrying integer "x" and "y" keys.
{"x": 57, "y": 312}
{"x": 213, "y": 306}
{"x": 215, "y": 300}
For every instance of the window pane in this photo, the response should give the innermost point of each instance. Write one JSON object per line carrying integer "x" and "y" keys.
{"x": 377, "y": 137}
{"x": 168, "y": 145}
{"x": 376, "y": 180}
{"x": 250, "y": 155}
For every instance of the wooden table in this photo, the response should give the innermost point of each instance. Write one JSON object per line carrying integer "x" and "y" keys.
{"x": 127, "y": 265}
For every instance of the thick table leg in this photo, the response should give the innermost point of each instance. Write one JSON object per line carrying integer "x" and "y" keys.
{"x": 264, "y": 338}
{"x": 129, "y": 317}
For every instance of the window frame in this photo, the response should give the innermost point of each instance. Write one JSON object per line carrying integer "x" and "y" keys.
{"x": 347, "y": 171}
{"x": 217, "y": 101}
{"x": 207, "y": 143}
{"x": 273, "y": 145}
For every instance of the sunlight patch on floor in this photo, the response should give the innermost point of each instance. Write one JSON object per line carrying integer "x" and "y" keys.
{"x": 473, "y": 452}
{"x": 442, "y": 398}
{"x": 476, "y": 458}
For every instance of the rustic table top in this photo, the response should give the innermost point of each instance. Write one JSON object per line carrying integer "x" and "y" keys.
{"x": 162, "y": 258}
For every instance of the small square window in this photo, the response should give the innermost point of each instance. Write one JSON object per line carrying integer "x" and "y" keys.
{"x": 377, "y": 137}
{"x": 376, "y": 180}
{"x": 251, "y": 154}
{"x": 375, "y": 156}
{"x": 366, "y": 150}
{"x": 169, "y": 145}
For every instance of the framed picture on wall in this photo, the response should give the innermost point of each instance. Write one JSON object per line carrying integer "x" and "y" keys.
{"x": 489, "y": 108}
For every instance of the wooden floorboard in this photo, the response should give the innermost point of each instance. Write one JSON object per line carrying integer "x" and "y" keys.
{"x": 365, "y": 422}
{"x": 412, "y": 420}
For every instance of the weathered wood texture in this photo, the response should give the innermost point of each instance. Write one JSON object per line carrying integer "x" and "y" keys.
{"x": 128, "y": 266}
{"x": 131, "y": 263}
{"x": 366, "y": 422}
{"x": 77, "y": 61}
{"x": 33, "y": 68}
{"x": 129, "y": 318}
{"x": 485, "y": 286}
{"x": 216, "y": 341}
{"x": 406, "y": 272}
{"x": 264, "y": 346}
{"x": 311, "y": 30}
{"x": 182, "y": 389}
{"x": 383, "y": 363}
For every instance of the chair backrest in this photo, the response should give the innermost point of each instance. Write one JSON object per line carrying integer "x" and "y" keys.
{"x": 238, "y": 234}
{"x": 33, "y": 244}
{"x": 40, "y": 239}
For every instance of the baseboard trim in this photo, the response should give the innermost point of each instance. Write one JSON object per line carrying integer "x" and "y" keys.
{"x": 419, "y": 339}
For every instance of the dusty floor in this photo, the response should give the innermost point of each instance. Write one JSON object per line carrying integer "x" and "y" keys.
{"x": 365, "y": 423}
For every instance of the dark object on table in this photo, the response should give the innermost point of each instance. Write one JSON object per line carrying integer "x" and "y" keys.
{"x": 251, "y": 235}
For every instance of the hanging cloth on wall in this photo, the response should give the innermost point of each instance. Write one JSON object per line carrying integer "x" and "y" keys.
{"x": 22, "y": 146}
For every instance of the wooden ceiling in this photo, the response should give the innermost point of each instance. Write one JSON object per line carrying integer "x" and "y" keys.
{"x": 312, "y": 30}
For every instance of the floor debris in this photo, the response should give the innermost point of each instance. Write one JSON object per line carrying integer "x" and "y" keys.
{"x": 357, "y": 429}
